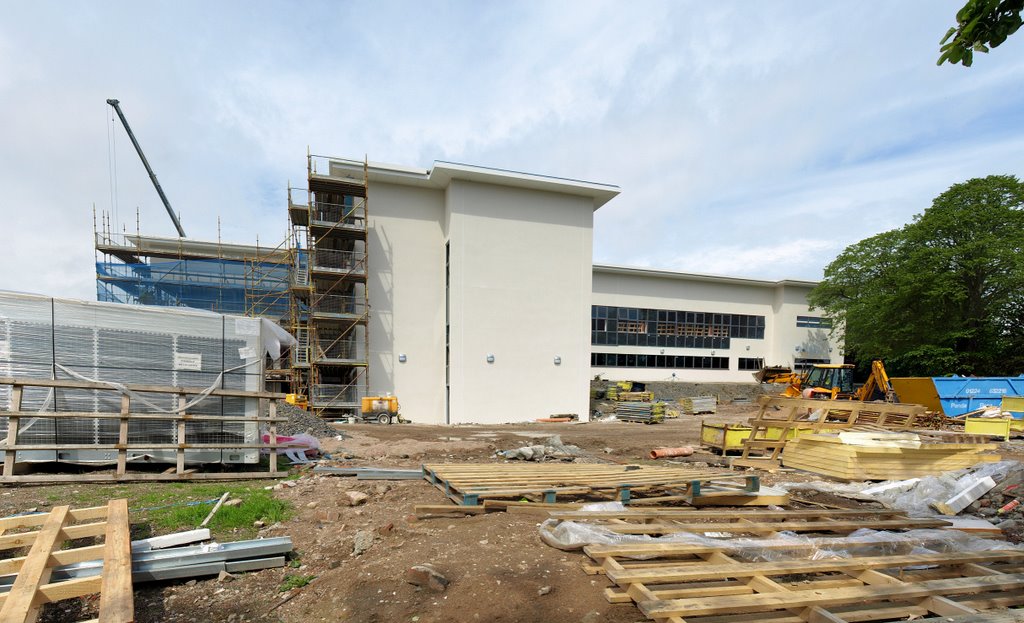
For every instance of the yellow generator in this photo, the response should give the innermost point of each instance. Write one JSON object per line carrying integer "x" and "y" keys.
{"x": 380, "y": 409}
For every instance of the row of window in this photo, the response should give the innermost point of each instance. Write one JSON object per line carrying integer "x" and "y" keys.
{"x": 608, "y": 338}
{"x": 677, "y": 362}
{"x": 813, "y": 322}
{"x": 672, "y": 323}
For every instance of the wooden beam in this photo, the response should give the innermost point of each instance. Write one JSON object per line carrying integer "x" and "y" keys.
{"x": 116, "y": 600}
{"x": 20, "y": 605}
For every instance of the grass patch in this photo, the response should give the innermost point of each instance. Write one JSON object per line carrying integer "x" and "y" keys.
{"x": 257, "y": 505}
{"x": 294, "y": 580}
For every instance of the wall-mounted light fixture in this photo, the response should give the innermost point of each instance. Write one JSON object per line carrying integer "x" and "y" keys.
{"x": 662, "y": 351}
{"x": 490, "y": 358}
{"x": 558, "y": 360}
{"x": 401, "y": 357}
{"x": 796, "y": 349}
{"x": 748, "y": 346}
{"x": 712, "y": 353}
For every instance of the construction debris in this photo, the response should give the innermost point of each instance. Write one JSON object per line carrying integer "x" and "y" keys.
{"x": 552, "y": 448}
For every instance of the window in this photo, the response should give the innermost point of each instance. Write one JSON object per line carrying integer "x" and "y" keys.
{"x": 632, "y": 326}
{"x": 813, "y": 322}
{"x": 627, "y": 326}
{"x": 751, "y": 363}
{"x": 804, "y": 364}
{"x": 680, "y": 362}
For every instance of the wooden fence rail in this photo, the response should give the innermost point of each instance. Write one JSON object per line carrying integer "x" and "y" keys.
{"x": 11, "y": 446}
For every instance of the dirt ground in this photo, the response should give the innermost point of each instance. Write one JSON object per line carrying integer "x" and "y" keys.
{"x": 499, "y": 570}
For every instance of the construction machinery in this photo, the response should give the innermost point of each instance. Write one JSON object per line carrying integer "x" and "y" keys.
{"x": 830, "y": 381}
{"x": 380, "y": 409}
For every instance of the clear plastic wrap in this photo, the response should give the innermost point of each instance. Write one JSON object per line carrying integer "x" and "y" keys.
{"x": 571, "y": 535}
{"x": 916, "y": 495}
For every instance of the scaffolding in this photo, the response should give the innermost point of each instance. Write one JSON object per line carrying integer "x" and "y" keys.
{"x": 179, "y": 272}
{"x": 329, "y": 305}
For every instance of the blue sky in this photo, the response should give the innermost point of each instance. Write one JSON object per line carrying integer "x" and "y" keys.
{"x": 751, "y": 139}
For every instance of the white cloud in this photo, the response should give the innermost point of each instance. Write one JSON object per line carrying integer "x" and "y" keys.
{"x": 736, "y": 130}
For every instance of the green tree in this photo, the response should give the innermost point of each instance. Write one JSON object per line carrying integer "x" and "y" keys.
{"x": 980, "y": 25}
{"x": 943, "y": 294}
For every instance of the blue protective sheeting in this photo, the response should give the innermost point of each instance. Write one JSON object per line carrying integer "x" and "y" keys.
{"x": 961, "y": 394}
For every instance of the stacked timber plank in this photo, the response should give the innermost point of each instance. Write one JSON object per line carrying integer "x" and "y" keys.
{"x": 35, "y": 582}
{"x": 644, "y": 412}
{"x": 778, "y": 417}
{"x": 467, "y": 484}
{"x": 881, "y": 456}
{"x": 619, "y": 395}
{"x": 791, "y": 580}
{"x": 699, "y": 404}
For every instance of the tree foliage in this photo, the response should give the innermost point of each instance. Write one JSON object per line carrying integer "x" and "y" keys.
{"x": 943, "y": 294}
{"x": 980, "y": 25}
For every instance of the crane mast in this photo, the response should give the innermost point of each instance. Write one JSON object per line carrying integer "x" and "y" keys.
{"x": 152, "y": 176}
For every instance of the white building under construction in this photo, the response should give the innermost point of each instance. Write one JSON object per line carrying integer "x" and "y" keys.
{"x": 472, "y": 295}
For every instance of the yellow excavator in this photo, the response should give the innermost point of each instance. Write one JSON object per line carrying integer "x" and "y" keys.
{"x": 830, "y": 382}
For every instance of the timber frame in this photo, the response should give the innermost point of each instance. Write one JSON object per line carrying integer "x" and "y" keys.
{"x": 48, "y": 532}
{"x": 705, "y": 583}
{"x": 791, "y": 414}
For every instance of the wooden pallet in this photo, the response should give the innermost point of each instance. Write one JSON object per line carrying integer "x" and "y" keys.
{"x": 678, "y": 582}
{"x": 125, "y": 417}
{"x": 738, "y": 523}
{"x": 787, "y": 414}
{"x": 46, "y": 536}
{"x": 467, "y": 484}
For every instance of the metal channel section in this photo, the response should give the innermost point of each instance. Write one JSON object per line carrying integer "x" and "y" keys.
{"x": 179, "y": 562}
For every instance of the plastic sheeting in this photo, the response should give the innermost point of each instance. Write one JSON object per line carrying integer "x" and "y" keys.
{"x": 915, "y": 495}
{"x": 44, "y": 338}
{"x": 569, "y": 535}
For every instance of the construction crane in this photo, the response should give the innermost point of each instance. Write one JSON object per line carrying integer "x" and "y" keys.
{"x": 152, "y": 176}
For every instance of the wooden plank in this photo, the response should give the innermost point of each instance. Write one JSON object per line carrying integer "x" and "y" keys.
{"x": 122, "y": 434}
{"x": 756, "y": 528}
{"x": 684, "y": 513}
{"x": 116, "y": 601}
{"x": 78, "y": 531}
{"x": 272, "y": 412}
{"x": 21, "y": 604}
{"x": 10, "y": 455}
{"x": 135, "y": 477}
{"x": 107, "y": 415}
{"x": 788, "y": 567}
{"x": 180, "y": 454}
{"x": 157, "y": 389}
{"x": 774, "y": 601}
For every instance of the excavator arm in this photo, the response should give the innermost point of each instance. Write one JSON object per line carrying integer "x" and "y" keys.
{"x": 878, "y": 382}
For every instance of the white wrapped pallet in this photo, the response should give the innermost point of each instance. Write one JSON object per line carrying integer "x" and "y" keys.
{"x": 47, "y": 338}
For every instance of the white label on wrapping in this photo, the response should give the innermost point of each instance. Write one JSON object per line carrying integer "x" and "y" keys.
{"x": 247, "y": 326}
{"x": 5, "y": 350}
{"x": 188, "y": 361}
{"x": 247, "y": 352}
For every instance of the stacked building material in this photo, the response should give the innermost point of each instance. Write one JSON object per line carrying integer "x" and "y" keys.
{"x": 881, "y": 455}
{"x": 699, "y": 404}
{"x": 618, "y": 395}
{"x": 646, "y": 412}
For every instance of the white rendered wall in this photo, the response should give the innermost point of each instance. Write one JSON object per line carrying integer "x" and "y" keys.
{"x": 780, "y": 305}
{"x": 406, "y": 289}
{"x": 520, "y": 291}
